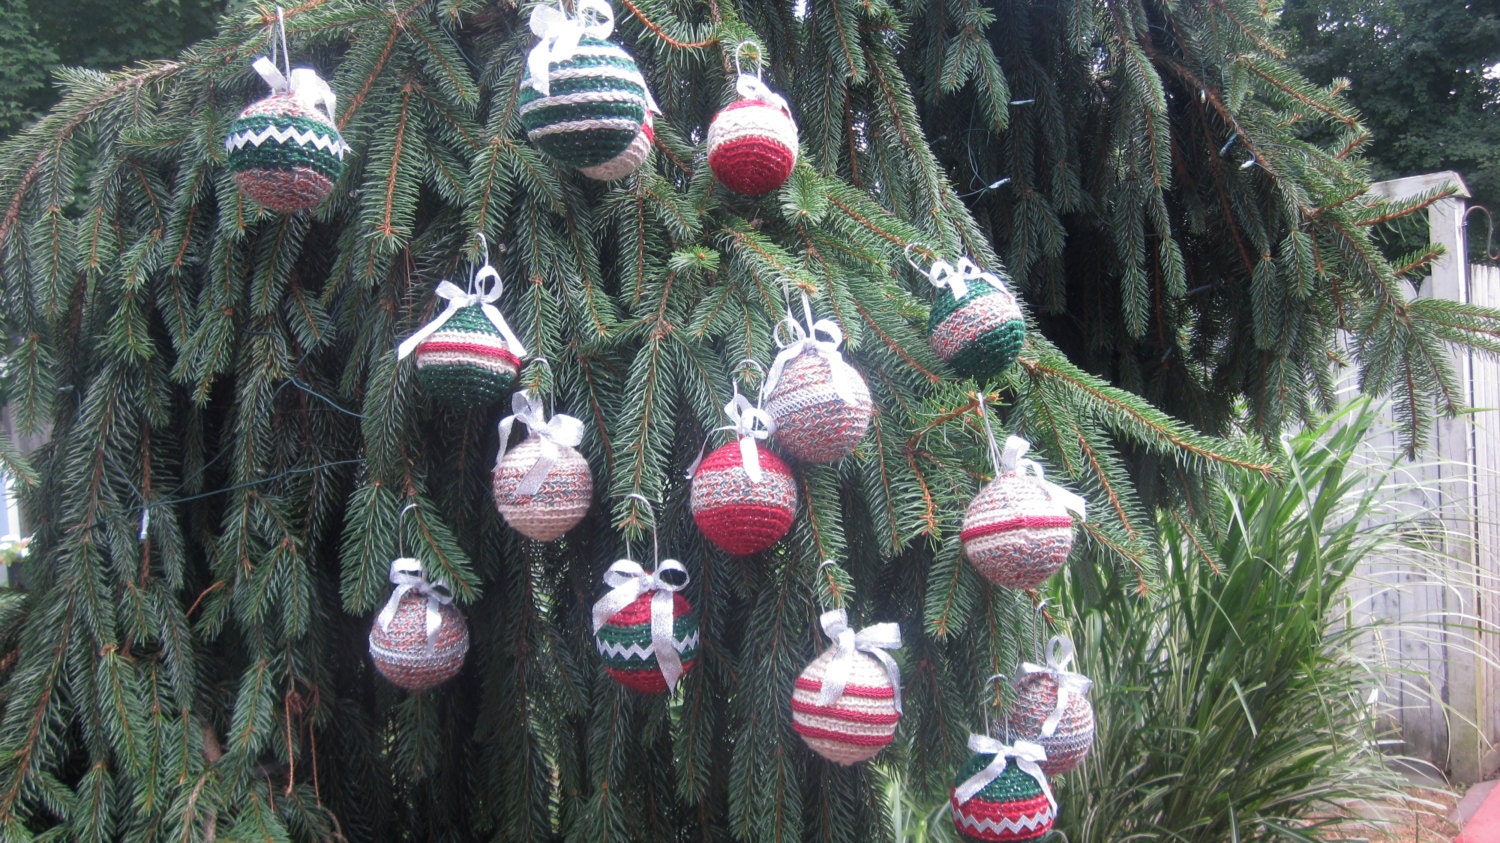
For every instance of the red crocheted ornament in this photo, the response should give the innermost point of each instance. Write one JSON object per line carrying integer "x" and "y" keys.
{"x": 738, "y": 515}
{"x": 752, "y": 147}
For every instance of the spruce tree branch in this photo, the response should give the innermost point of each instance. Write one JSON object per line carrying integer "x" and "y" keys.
{"x": 662, "y": 33}
{"x": 20, "y": 759}
{"x": 1109, "y": 488}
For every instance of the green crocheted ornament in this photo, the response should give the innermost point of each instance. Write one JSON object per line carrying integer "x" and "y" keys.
{"x": 467, "y": 363}
{"x": 980, "y": 334}
{"x": 593, "y": 110}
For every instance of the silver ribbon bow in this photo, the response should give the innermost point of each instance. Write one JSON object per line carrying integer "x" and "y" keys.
{"x": 628, "y": 581}
{"x": 559, "y": 430}
{"x": 957, "y": 277}
{"x": 1059, "y": 656}
{"x": 458, "y": 299}
{"x": 844, "y": 378}
{"x": 560, "y": 33}
{"x": 406, "y": 575}
{"x": 1024, "y": 753}
{"x": 874, "y": 640}
{"x": 305, "y": 85}
{"x": 752, "y": 424}
{"x": 751, "y": 88}
{"x": 1012, "y": 462}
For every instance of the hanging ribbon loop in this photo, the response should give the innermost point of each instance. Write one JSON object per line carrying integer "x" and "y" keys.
{"x": 560, "y": 33}
{"x": 458, "y": 299}
{"x": 943, "y": 275}
{"x": 844, "y": 379}
{"x": 304, "y": 84}
{"x": 1059, "y": 656}
{"x": 1025, "y": 754}
{"x": 560, "y": 430}
{"x": 407, "y": 576}
{"x": 627, "y": 581}
{"x": 874, "y": 640}
{"x": 1012, "y": 461}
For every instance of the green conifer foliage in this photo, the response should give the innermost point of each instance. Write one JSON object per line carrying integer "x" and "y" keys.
{"x": 233, "y": 438}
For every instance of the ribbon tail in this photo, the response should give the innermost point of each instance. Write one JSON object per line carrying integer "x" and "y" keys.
{"x": 1049, "y": 726}
{"x": 271, "y": 74}
{"x": 410, "y": 344}
{"x": 750, "y": 457}
{"x": 893, "y": 671}
{"x": 662, "y": 639}
{"x": 434, "y": 623}
{"x": 532, "y": 481}
{"x": 1031, "y": 768}
{"x": 388, "y": 613}
{"x": 1069, "y": 500}
{"x": 505, "y": 427}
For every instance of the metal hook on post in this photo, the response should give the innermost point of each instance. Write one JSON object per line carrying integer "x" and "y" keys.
{"x": 401, "y": 529}
{"x": 833, "y": 584}
{"x": 907, "y": 252}
{"x": 655, "y": 541}
{"x": 997, "y": 702}
{"x": 755, "y": 54}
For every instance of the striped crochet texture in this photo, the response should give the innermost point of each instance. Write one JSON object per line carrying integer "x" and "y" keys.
{"x": 284, "y": 155}
{"x": 595, "y": 107}
{"x": 813, "y": 422}
{"x": 400, "y": 652}
{"x": 628, "y": 161}
{"x": 980, "y": 334}
{"x": 556, "y": 507}
{"x": 1015, "y": 533}
{"x": 752, "y": 146}
{"x": 1012, "y": 807}
{"x": 1036, "y": 699}
{"x": 624, "y": 643}
{"x": 738, "y": 515}
{"x": 466, "y": 364}
{"x": 855, "y": 726}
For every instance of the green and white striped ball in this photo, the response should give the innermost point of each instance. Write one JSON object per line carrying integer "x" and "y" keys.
{"x": 594, "y": 109}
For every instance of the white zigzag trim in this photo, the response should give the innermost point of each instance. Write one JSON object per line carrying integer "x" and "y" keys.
{"x": 307, "y": 138}
{"x": 1006, "y": 825}
{"x": 583, "y": 126}
{"x": 636, "y": 651}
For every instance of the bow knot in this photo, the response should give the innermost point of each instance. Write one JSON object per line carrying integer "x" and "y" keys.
{"x": 1059, "y": 656}
{"x": 559, "y": 431}
{"x": 560, "y": 33}
{"x": 874, "y": 640}
{"x": 1013, "y": 461}
{"x": 304, "y": 84}
{"x": 1025, "y": 754}
{"x": 406, "y": 575}
{"x": 752, "y": 88}
{"x": 844, "y": 379}
{"x": 627, "y": 581}
{"x": 751, "y": 424}
{"x": 458, "y": 298}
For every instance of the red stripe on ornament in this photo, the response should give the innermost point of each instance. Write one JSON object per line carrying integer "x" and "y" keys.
{"x": 842, "y": 737}
{"x": 849, "y": 714}
{"x": 1022, "y": 523}
{"x": 470, "y": 348}
{"x": 865, "y": 691}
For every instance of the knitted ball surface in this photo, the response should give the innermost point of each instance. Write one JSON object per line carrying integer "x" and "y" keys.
{"x": 1015, "y": 533}
{"x": 980, "y": 334}
{"x": 1012, "y": 807}
{"x": 624, "y": 642}
{"x": 813, "y": 422}
{"x": 855, "y": 726}
{"x": 752, "y": 146}
{"x": 284, "y": 155}
{"x": 556, "y": 507}
{"x": 466, "y": 364}
{"x": 738, "y": 515}
{"x": 400, "y": 652}
{"x": 1036, "y": 699}
{"x": 628, "y": 161}
{"x": 593, "y": 110}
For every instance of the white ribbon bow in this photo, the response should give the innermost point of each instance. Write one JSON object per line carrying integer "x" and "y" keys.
{"x": 752, "y": 424}
{"x": 957, "y": 277}
{"x": 560, "y": 33}
{"x": 559, "y": 430}
{"x": 305, "y": 85}
{"x": 751, "y": 88}
{"x": 1059, "y": 656}
{"x": 874, "y": 640}
{"x": 406, "y": 575}
{"x": 1012, "y": 462}
{"x": 843, "y": 376}
{"x": 458, "y": 299}
{"x": 628, "y": 581}
{"x": 1024, "y": 753}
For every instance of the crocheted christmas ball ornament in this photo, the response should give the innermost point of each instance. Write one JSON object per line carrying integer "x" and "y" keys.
{"x": 813, "y": 422}
{"x": 467, "y": 364}
{"x": 855, "y": 726}
{"x": 1015, "y": 533}
{"x": 556, "y": 507}
{"x": 980, "y": 334}
{"x": 737, "y": 514}
{"x": 624, "y": 642}
{"x": 1036, "y": 699}
{"x": 752, "y": 146}
{"x": 400, "y": 652}
{"x": 1012, "y": 807}
{"x": 594, "y": 109}
{"x": 628, "y": 161}
{"x": 283, "y": 154}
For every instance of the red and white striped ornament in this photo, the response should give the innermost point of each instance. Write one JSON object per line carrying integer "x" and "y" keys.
{"x": 543, "y": 486}
{"x": 820, "y": 404}
{"x": 1052, "y": 709}
{"x": 752, "y": 143}
{"x": 744, "y": 497}
{"x": 1018, "y": 530}
{"x": 420, "y": 639}
{"x": 847, "y": 702}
